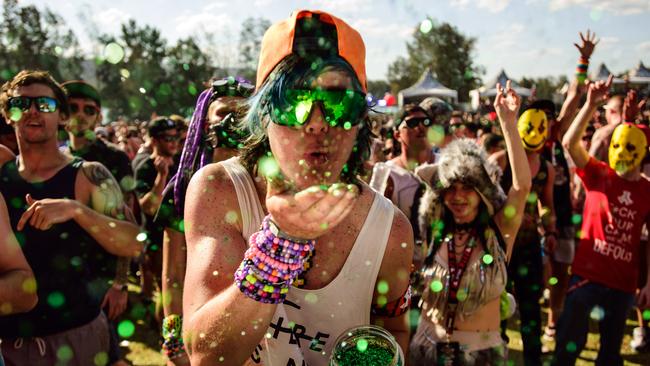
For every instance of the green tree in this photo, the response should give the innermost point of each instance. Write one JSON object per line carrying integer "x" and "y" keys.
{"x": 444, "y": 50}
{"x": 545, "y": 87}
{"x": 250, "y": 39}
{"x": 33, "y": 39}
{"x": 378, "y": 88}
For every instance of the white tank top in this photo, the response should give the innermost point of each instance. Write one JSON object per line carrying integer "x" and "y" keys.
{"x": 305, "y": 326}
{"x": 405, "y": 184}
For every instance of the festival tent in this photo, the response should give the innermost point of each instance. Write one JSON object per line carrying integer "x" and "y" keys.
{"x": 603, "y": 73}
{"x": 426, "y": 86}
{"x": 490, "y": 89}
{"x": 640, "y": 75}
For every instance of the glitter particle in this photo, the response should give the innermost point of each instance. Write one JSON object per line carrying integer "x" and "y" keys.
{"x": 125, "y": 329}
{"x": 436, "y": 286}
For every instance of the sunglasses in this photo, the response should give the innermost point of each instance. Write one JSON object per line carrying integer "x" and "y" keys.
{"x": 43, "y": 104}
{"x": 414, "y": 122}
{"x": 169, "y": 138}
{"x": 341, "y": 108}
{"x": 88, "y": 110}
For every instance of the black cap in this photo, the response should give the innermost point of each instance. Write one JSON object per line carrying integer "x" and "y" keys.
{"x": 159, "y": 125}
{"x": 81, "y": 89}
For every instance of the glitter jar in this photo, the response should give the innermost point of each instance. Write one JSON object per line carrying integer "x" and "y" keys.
{"x": 366, "y": 345}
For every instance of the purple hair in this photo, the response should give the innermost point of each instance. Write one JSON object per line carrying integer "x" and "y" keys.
{"x": 194, "y": 148}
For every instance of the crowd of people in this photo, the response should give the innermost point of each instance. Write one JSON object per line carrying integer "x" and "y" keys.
{"x": 286, "y": 211}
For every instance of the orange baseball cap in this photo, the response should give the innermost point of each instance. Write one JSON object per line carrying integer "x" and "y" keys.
{"x": 281, "y": 40}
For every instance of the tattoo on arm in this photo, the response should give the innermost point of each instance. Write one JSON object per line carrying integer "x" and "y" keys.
{"x": 107, "y": 189}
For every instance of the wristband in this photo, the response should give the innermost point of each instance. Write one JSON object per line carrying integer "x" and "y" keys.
{"x": 172, "y": 339}
{"x": 272, "y": 263}
{"x": 581, "y": 69}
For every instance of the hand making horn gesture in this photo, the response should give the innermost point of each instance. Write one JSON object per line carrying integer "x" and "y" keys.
{"x": 507, "y": 103}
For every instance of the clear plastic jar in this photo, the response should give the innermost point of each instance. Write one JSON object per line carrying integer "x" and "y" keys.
{"x": 366, "y": 345}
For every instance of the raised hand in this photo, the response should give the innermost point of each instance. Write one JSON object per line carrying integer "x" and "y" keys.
{"x": 631, "y": 107}
{"x": 598, "y": 91}
{"x": 311, "y": 212}
{"x": 586, "y": 48}
{"x": 507, "y": 103}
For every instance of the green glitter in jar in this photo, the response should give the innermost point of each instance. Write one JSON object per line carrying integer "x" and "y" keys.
{"x": 373, "y": 355}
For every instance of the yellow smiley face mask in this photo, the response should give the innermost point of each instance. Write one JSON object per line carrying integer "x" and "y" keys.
{"x": 627, "y": 148}
{"x": 533, "y": 129}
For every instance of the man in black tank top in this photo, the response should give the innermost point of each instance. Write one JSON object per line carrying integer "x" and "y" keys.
{"x": 64, "y": 222}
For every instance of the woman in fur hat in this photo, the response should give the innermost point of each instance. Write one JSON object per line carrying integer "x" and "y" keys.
{"x": 471, "y": 226}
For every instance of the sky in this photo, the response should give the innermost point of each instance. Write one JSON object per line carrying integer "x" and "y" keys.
{"x": 531, "y": 38}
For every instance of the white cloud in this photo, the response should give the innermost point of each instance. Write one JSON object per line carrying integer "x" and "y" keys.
{"x": 616, "y": 7}
{"x": 378, "y": 27}
{"x": 643, "y": 47}
{"x": 342, "y": 6}
{"x": 210, "y": 22}
{"x": 215, "y": 6}
{"x": 262, "y": 3}
{"x": 110, "y": 19}
{"x": 507, "y": 38}
{"x": 493, "y": 6}
{"x": 607, "y": 43}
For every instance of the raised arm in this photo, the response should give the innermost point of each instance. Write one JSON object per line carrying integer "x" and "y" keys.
{"x": 596, "y": 94}
{"x": 219, "y": 320}
{"x": 508, "y": 219}
{"x": 576, "y": 88}
{"x": 17, "y": 282}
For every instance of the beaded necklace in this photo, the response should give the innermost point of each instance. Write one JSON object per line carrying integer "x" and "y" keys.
{"x": 456, "y": 271}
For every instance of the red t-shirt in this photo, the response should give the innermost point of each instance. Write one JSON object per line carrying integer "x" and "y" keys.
{"x": 614, "y": 213}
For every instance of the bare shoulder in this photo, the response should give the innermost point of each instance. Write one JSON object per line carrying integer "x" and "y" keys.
{"x": 211, "y": 196}
{"x": 400, "y": 241}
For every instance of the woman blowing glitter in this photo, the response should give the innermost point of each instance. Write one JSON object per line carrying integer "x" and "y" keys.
{"x": 472, "y": 226}
{"x": 286, "y": 248}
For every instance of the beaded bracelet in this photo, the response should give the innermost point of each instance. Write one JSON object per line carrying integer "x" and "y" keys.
{"x": 173, "y": 345}
{"x": 581, "y": 69}
{"x": 272, "y": 263}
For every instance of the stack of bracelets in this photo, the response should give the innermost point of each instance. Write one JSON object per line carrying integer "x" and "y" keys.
{"x": 172, "y": 340}
{"x": 581, "y": 69}
{"x": 271, "y": 264}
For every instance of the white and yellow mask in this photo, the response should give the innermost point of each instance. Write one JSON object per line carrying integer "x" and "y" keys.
{"x": 627, "y": 148}
{"x": 533, "y": 129}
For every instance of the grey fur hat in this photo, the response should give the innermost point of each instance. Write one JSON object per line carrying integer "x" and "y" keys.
{"x": 462, "y": 160}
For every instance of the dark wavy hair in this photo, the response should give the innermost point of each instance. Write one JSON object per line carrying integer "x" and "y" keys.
{"x": 297, "y": 72}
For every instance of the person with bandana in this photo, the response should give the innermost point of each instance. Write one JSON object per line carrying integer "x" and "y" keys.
{"x": 606, "y": 267}
{"x": 212, "y": 136}
{"x": 526, "y": 267}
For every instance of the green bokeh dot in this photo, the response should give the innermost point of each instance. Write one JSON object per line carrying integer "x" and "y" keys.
{"x": 125, "y": 329}
{"x": 101, "y": 359}
{"x": 56, "y": 299}
{"x": 436, "y": 286}
{"x": 488, "y": 259}
{"x": 571, "y": 347}
{"x": 64, "y": 353}
{"x": 347, "y": 125}
{"x": 552, "y": 281}
{"x": 113, "y": 52}
{"x": 576, "y": 219}
{"x": 382, "y": 287}
{"x": 509, "y": 211}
